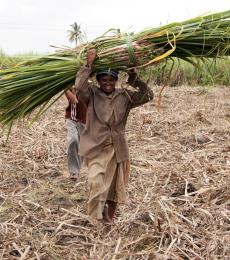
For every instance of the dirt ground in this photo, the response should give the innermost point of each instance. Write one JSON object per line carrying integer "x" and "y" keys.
{"x": 179, "y": 197}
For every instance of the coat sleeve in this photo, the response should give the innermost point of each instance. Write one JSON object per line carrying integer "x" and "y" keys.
{"x": 82, "y": 86}
{"x": 142, "y": 93}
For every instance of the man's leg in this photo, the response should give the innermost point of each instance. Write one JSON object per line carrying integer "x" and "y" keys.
{"x": 74, "y": 160}
{"x": 112, "y": 206}
{"x": 109, "y": 210}
{"x": 100, "y": 176}
{"x": 117, "y": 190}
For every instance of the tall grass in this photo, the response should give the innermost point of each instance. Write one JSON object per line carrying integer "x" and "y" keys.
{"x": 7, "y": 61}
{"x": 176, "y": 72}
{"x": 10, "y": 61}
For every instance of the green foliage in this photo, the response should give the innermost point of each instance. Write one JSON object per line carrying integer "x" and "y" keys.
{"x": 176, "y": 72}
{"x": 7, "y": 61}
{"x": 33, "y": 83}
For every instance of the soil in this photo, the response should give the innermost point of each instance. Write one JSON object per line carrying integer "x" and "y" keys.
{"x": 179, "y": 197}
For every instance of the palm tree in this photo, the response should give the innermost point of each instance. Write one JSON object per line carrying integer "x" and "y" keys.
{"x": 75, "y": 34}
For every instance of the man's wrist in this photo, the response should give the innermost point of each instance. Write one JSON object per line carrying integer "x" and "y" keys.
{"x": 88, "y": 65}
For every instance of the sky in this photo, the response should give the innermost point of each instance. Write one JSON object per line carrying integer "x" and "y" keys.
{"x": 34, "y": 25}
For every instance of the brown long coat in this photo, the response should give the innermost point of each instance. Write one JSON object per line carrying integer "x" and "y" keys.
{"x": 102, "y": 108}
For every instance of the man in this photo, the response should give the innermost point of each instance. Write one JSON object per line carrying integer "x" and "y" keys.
{"x": 103, "y": 142}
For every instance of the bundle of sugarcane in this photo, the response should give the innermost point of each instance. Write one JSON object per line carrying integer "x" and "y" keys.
{"x": 33, "y": 83}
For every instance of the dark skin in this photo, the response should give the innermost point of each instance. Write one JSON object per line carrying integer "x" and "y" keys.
{"x": 107, "y": 84}
{"x": 91, "y": 56}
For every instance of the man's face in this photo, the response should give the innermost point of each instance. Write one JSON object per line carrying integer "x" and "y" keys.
{"x": 107, "y": 83}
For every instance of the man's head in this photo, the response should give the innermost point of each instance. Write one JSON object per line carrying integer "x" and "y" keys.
{"x": 107, "y": 80}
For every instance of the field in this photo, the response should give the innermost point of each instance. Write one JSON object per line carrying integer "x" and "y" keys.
{"x": 178, "y": 190}
{"x": 176, "y": 72}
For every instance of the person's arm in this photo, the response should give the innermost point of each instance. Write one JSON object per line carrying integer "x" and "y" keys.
{"x": 81, "y": 85}
{"x": 142, "y": 94}
{"x": 71, "y": 95}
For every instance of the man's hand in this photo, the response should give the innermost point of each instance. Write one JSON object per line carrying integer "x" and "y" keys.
{"x": 132, "y": 75}
{"x": 91, "y": 56}
{"x": 131, "y": 72}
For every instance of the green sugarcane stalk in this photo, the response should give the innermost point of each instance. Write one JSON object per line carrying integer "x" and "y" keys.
{"x": 33, "y": 83}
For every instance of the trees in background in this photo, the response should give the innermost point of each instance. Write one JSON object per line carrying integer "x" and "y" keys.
{"x": 75, "y": 34}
